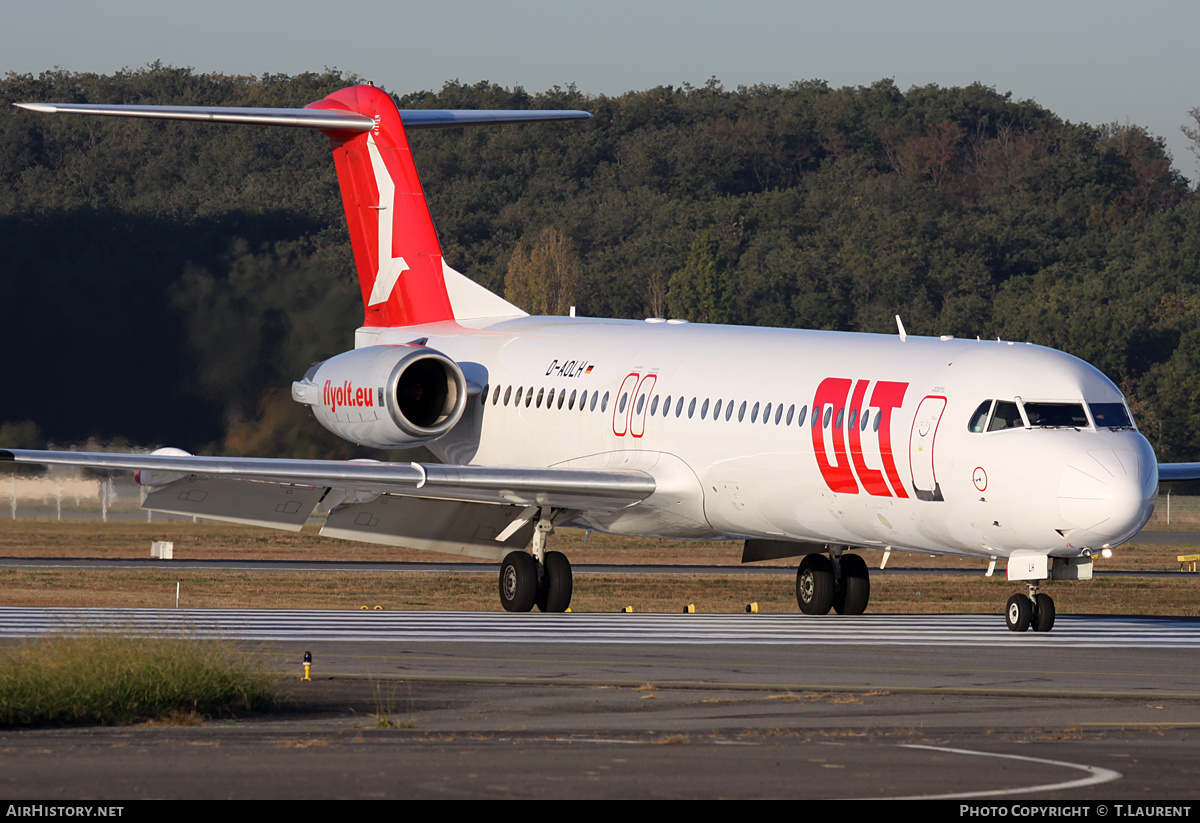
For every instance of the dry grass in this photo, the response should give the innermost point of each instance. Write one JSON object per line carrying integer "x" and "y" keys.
{"x": 223, "y": 541}
{"x": 110, "y": 679}
{"x": 712, "y": 593}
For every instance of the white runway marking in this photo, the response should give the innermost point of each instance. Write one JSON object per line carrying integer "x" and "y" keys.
{"x": 492, "y": 627}
{"x": 1095, "y": 776}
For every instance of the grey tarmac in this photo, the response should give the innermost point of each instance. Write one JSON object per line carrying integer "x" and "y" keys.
{"x": 681, "y": 715}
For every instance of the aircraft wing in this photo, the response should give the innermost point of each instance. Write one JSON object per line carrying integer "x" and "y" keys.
{"x": 1178, "y": 471}
{"x": 484, "y": 511}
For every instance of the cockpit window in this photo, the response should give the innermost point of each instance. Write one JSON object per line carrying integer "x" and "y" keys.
{"x": 1056, "y": 415}
{"x": 979, "y": 418}
{"x": 1110, "y": 415}
{"x": 1005, "y": 416}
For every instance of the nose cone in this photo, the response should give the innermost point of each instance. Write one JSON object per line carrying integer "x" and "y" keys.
{"x": 1107, "y": 495}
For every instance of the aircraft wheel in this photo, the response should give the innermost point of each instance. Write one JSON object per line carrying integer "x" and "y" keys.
{"x": 814, "y": 584}
{"x": 1043, "y": 613}
{"x": 518, "y": 582}
{"x": 554, "y": 595}
{"x": 1018, "y": 613}
{"x": 852, "y": 596}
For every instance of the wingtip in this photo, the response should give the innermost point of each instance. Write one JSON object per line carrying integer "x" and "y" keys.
{"x": 47, "y": 108}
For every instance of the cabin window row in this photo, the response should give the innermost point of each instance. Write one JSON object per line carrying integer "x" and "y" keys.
{"x": 665, "y": 406}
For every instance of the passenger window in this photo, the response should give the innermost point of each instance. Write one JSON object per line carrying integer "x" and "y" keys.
{"x": 979, "y": 418}
{"x": 654, "y": 406}
{"x": 704, "y": 410}
{"x": 803, "y": 412}
{"x": 1005, "y": 416}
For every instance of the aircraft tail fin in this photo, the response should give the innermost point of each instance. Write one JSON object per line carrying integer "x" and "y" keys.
{"x": 403, "y": 278}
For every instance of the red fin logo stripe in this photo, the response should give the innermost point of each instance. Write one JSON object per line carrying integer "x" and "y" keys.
{"x": 396, "y": 249}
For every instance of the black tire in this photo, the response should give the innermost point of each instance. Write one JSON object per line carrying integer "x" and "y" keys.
{"x": 814, "y": 584}
{"x": 554, "y": 594}
{"x": 1043, "y": 613}
{"x": 1018, "y": 613}
{"x": 855, "y": 592}
{"x": 518, "y": 582}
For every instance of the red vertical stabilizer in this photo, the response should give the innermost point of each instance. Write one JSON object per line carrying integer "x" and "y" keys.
{"x": 396, "y": 248}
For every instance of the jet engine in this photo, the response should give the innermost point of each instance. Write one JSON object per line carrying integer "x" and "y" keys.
{"x": 385, "y": 397}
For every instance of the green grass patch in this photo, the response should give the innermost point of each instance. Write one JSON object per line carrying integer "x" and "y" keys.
{"x": 100, "y": 679}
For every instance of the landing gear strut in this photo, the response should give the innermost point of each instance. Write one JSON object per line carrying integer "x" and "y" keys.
{"x": 1033, "y": 612}
{"x": 536, "y": 577}
{"x": 842, "y": 583}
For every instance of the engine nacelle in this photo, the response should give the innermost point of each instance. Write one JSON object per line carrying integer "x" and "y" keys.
{"x": 385, "y": 397}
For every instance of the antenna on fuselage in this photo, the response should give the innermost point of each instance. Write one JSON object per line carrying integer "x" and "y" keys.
{"x": 900, "y": 326}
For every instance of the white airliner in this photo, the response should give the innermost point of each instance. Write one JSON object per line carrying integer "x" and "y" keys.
{"x": 800, "y": 443}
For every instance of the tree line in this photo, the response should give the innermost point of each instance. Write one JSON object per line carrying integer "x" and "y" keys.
{"x": 165, "y": 282}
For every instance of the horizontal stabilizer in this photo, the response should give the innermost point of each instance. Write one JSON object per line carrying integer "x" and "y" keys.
{"x": 329, "y": 120}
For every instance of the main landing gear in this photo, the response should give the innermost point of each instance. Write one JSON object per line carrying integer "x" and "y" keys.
{"x": 1033, "y": 612}
{"x": 840, "y": 582}
{"x": 537, "y": 577}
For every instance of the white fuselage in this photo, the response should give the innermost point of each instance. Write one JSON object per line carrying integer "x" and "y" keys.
{"x": 722, "y": 417}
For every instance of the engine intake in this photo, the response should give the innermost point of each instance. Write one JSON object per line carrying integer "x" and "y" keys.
{"x": 385, "y": 396}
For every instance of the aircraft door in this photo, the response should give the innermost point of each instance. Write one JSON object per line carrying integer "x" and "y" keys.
{"x": 920, "y": 447}
{"x": 623, "y": 404}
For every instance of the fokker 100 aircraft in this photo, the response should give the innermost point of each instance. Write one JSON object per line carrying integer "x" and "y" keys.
{"x": 799, "y": 443}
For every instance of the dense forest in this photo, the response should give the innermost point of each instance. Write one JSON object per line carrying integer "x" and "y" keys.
{"x": 164, "y": 283}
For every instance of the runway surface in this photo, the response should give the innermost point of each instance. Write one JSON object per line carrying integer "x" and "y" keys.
{"x": 475, "y": 627}
{"x": 628, "y": 705}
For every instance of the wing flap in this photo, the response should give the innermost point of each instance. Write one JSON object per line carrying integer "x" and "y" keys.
{"x": 450, "y": 527}
{"x": 272, "y": 505}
